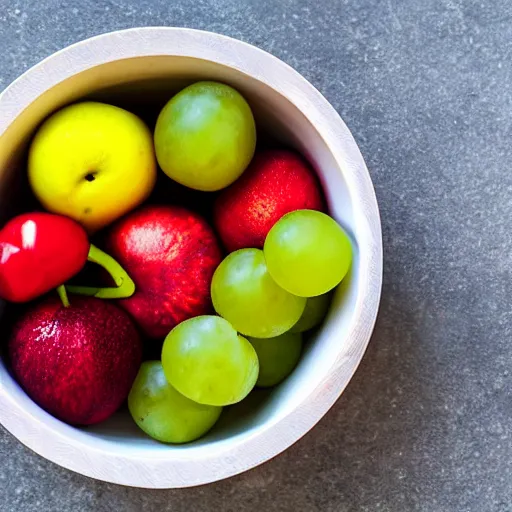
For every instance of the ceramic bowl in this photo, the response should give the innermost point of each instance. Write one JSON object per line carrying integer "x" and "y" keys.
{"x": 141, "y": 69}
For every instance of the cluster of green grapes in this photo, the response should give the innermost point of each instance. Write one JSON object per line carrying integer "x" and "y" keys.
{"x": 265, "y": 300}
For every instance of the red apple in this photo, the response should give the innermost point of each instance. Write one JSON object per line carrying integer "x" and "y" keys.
{"x": 277, "y": 182}
{"x": 78, "y": 363}
{"x": 171, "y": 254}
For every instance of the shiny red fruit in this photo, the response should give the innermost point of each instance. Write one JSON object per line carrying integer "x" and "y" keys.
{"x": 171, "y": 254}
{"x": 78, "y": 363}
{"x": 277, "y": 182}
{"x": 38, "y": 252}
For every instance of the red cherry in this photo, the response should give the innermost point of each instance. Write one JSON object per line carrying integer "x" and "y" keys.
{"x": 276, "y": 182}
{"x": 38, "y": 252}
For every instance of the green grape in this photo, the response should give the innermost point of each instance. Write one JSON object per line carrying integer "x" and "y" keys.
{"x": 205, "y": 136}
{"x": 163, "y": 413}
{"x": 278, "y": 357}
{"x": 244, "y": 294}
{"x": 307, "y": 253}
{"x": 206, "y": 360}
{"x": 314, "y": 312}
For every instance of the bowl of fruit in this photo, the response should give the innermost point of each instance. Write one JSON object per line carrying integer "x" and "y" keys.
{"x": 190, "y": 257}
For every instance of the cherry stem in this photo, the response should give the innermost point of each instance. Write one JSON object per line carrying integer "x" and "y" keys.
{"x": 61, "y": 290}
{"x": 125, "y": 287}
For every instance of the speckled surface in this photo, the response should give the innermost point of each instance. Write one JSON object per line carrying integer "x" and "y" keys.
{"x": 426, "y": 88}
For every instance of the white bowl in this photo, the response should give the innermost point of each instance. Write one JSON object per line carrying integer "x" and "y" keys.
{"x": 144, "y": 67}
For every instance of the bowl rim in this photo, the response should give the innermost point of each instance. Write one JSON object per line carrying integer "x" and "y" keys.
{"x": 48, "y": 437}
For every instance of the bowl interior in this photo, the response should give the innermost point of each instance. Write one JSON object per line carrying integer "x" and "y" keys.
{"x": 143, "y": 85}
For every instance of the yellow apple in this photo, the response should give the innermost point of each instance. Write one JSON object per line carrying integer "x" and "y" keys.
{"x": 92, "y": 162}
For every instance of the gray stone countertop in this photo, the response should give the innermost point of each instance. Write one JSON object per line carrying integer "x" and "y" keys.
{"x": 426, "y": 88}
